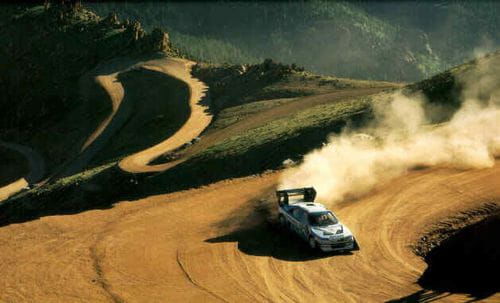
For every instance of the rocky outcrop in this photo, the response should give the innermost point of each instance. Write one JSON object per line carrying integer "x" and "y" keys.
{"x": 159, "y": 40}
{"x": 241, "y": 79}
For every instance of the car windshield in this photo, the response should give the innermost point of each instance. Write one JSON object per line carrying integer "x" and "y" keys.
{"x": 323, "y": 219}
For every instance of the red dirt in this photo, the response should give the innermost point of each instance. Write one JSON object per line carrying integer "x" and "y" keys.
{"x": 191, "y": 246}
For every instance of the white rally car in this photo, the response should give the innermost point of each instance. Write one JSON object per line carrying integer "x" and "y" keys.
{"x": 312, "y": 221}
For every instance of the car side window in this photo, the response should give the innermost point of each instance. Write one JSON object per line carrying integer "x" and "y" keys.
{"x": 300, "y": 215}
{"x": 303, "y": 218}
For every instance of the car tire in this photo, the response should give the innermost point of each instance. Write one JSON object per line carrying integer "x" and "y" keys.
{"x": 355, "y": 245}
{"x": 312, "y": 243}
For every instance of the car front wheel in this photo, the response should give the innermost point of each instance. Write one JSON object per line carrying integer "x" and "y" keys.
{"x": 355, "y": 245}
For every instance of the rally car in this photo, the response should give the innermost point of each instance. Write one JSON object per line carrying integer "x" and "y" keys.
{"x": 312, "y": 221}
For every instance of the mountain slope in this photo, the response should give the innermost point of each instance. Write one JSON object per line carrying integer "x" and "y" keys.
{"x": 49, "y": 53}
{"x": 328, "y": 37}
{"x": 398, "y": 41}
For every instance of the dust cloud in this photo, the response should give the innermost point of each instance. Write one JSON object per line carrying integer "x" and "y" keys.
{"x": 401, "y": 138}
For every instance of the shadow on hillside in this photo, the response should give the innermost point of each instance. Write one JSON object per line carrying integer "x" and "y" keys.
{"x": 14, "y": 165}
{"x": 468, "y": 262}
{"x": 157, "y": 108}
{"x": 259, "y": 234}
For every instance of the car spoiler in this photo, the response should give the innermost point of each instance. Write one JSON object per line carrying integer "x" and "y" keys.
{"x": 308, "y": 193}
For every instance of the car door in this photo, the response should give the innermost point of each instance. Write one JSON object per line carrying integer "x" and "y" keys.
{"x": 294, "y": 219}
{"x": 299, "y": 222}
{"x": 303, "y": 229}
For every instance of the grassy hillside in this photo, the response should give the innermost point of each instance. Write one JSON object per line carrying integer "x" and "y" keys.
{"x": 265, "y": 146}
{"x": 232, "y": 85}
{"x": 252, "y": 151}
{"x": 443, "y": 91}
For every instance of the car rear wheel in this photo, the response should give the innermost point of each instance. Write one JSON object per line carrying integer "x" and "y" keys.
{"x": 312, "y": 243}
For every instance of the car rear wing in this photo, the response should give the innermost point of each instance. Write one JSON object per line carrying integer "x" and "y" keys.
{"x": 308, "y": 194}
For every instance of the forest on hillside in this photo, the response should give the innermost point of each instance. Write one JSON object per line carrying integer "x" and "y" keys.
{"x": 398, "y": 41}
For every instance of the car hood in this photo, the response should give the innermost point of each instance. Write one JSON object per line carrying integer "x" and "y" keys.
{"x": 334, "y": 229}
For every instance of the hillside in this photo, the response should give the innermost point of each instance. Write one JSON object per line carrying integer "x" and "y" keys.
{"x": 395, "y": 41}
{"x": 466, "y": 236}
{"x": 110, "y": 92}
{"x": 49, "y": 58}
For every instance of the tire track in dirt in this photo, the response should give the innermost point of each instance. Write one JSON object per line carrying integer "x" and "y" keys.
{"x": 188, "y": 276}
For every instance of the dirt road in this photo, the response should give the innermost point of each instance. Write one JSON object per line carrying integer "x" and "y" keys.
{"x": 36, "y": 170}
{"x": 210, "y": 244}
{"x": 108, "y": 78}
{"x": 266, "y": 116}
{"x": 198, "y": 120}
